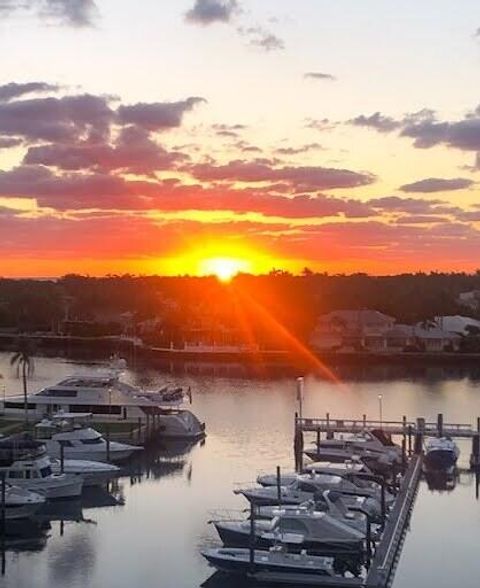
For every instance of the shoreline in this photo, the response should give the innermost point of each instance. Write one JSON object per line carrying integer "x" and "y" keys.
{"x": 106, "y": 346}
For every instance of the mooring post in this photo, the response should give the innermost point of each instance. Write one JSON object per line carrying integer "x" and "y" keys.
{"x": 418, "y": 447}
{"x": 252, "y": 539}
{"x": 475, "y": 456}
{"x": 62, "y": 458}
{"x": 383, "y": 502}
{"x": 298, "y": 445}
{"x": 440, "y": 425}
{"x": 364, "y": 421}
{"x": 404, "y": 455}
{"x": 329, "y": 433}
{"x": 108, "y": 442}
{"x": 3, "y": 514}
{"x": 147, "y": 432}
{"x": 279, "y": 487}
{"x": 139, "y": 428}
{"x": 409, "y": 440}
{"x": 318, "y": 438}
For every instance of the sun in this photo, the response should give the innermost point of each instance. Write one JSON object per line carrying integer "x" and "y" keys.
{"x": 224, "y": 268}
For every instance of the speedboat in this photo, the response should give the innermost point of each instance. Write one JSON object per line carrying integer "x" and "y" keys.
{"x": 109, "y": 398}
{"x": 441, "y": 453}
{"x": 26, "y": 464}
{"x": 338, "y": 469}
{"x": 21, "y": 503}
{"x": 317, "y": 532}
{"x": 306, "y": 485}
{"x": 341, "y": 507}
{"x": 80, "y": 441}
{"x": 275, "y": 559}
{"x": 93, "y": 473}
{"x": 381, "y": 462}
{"x": 374, "y": 440}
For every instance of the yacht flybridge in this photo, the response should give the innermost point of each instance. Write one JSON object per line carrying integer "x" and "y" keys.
{"x": 104, "y": 394}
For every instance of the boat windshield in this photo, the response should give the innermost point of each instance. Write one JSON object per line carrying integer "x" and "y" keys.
{"x": 94, "y": 441}
{"x": 46, "y": 471}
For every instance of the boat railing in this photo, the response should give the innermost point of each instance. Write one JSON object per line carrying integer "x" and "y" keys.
{"x": 227, "y": 515}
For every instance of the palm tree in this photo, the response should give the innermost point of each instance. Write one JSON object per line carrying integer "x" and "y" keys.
{"x": 23, "y": 361}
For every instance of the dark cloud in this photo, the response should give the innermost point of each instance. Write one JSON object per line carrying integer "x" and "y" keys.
{"x": 315, "y": 75}
{"x": 429, "y": 185}
{"x": 302, "y": 178}
{"x": 412, "y": 206}
{"x": 323, "y": 124}
{"x": 207, "y": 12}
{"x": 75, "y": 13}
{"x": 157, "y": 116}
{"x": 15, "y": 90}
{"x": 377, "y": 121}
{"x": 134, "y": 151}
{"x": 56, "y": 119}
{"x": 297, "y": 150}
{"x": 259, "y": 37}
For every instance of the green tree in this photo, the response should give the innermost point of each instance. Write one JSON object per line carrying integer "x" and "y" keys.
{"x": 22, "y": 360}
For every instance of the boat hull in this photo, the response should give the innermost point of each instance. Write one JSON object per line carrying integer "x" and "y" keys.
{"x": 440, "y": 459}
{"x": 238, "y": 562}
{"x": 324, "y": 546}
{"x": 21, "y": 511}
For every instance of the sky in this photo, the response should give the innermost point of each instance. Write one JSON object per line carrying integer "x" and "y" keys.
{"x": 184, "y": 136}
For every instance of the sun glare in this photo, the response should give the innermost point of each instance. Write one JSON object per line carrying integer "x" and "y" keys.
{"x": 224, "y": 268}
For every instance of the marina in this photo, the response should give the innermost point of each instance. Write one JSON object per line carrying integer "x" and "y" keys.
{"x": 243, "y": 445}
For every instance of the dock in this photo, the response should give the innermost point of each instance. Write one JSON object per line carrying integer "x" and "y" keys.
{"x": 383, "y": 562}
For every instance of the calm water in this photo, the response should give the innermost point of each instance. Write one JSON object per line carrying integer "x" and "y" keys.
{"x": 153, "y": 535}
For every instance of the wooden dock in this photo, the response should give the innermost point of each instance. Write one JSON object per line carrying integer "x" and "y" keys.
{"x": 388, "y": 550}
{"x": 328, "y": 425}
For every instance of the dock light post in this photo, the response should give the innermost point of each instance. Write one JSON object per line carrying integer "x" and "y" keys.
{"x": 300, "y": 390}
{"x": 380, "y": 410}
{"x": 4, "y": 390}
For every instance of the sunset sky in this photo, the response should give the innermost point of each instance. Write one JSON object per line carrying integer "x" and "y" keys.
{"x": 157, "y": 136}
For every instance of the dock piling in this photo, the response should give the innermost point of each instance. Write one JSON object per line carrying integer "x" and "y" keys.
{"x": 475, "y": 456}
{"x": 108, "y": 442}
{"x": 252, "y": 539}
{"x": 279, "y": 487}
{"x": 62, "y": 458}
{"x": 440, "y": 425}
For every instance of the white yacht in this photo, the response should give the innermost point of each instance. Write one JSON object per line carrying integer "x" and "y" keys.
{"x": 93, "y": 473}
{"x": 79, "y": 441}
{"x": 104, "y": 394}
{"x": 26, "y": 465}
{"x": 21, "y": 503}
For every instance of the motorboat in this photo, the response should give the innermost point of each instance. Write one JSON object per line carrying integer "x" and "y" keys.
{"x": 441, "y": 453}
{"x": 317, "y": 532}
{"x": 26, "y": 464}
{"x": 21, "y": 503}
{"x": 306, "y": 485}
{"x": 79, "y": 440}
{"x": 339, "y": 506}
{"x": 106, "y": 395}
{"x": 373, "y": 440}
{"x": 379, "y": 462}
{"x": 93, "y": 473}
{"x": 275, "y": 559}
{"x": 339, "y": 469}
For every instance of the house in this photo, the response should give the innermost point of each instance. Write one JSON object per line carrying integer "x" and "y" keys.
{"x": 431, "y": 339}
{"x": 351, "y": 329}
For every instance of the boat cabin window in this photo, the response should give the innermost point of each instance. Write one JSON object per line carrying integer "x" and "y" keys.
{"x": 46, "y": 471}
{"x": 292, "y": 525}
{"x": 58, "y": 393}
{"x": 307, "y": 487}
{"x": 30, "y": 406}
{"x": 18, "y": 474}
{"x": 95, "y": 441}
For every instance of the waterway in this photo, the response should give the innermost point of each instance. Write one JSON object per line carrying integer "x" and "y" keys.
{"x": 149, "y": 531}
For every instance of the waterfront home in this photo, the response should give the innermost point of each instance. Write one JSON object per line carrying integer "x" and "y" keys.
{"x": 470, "y": 300}
{"x": 422, "y": 338}
{"x": 351, "y": 329}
